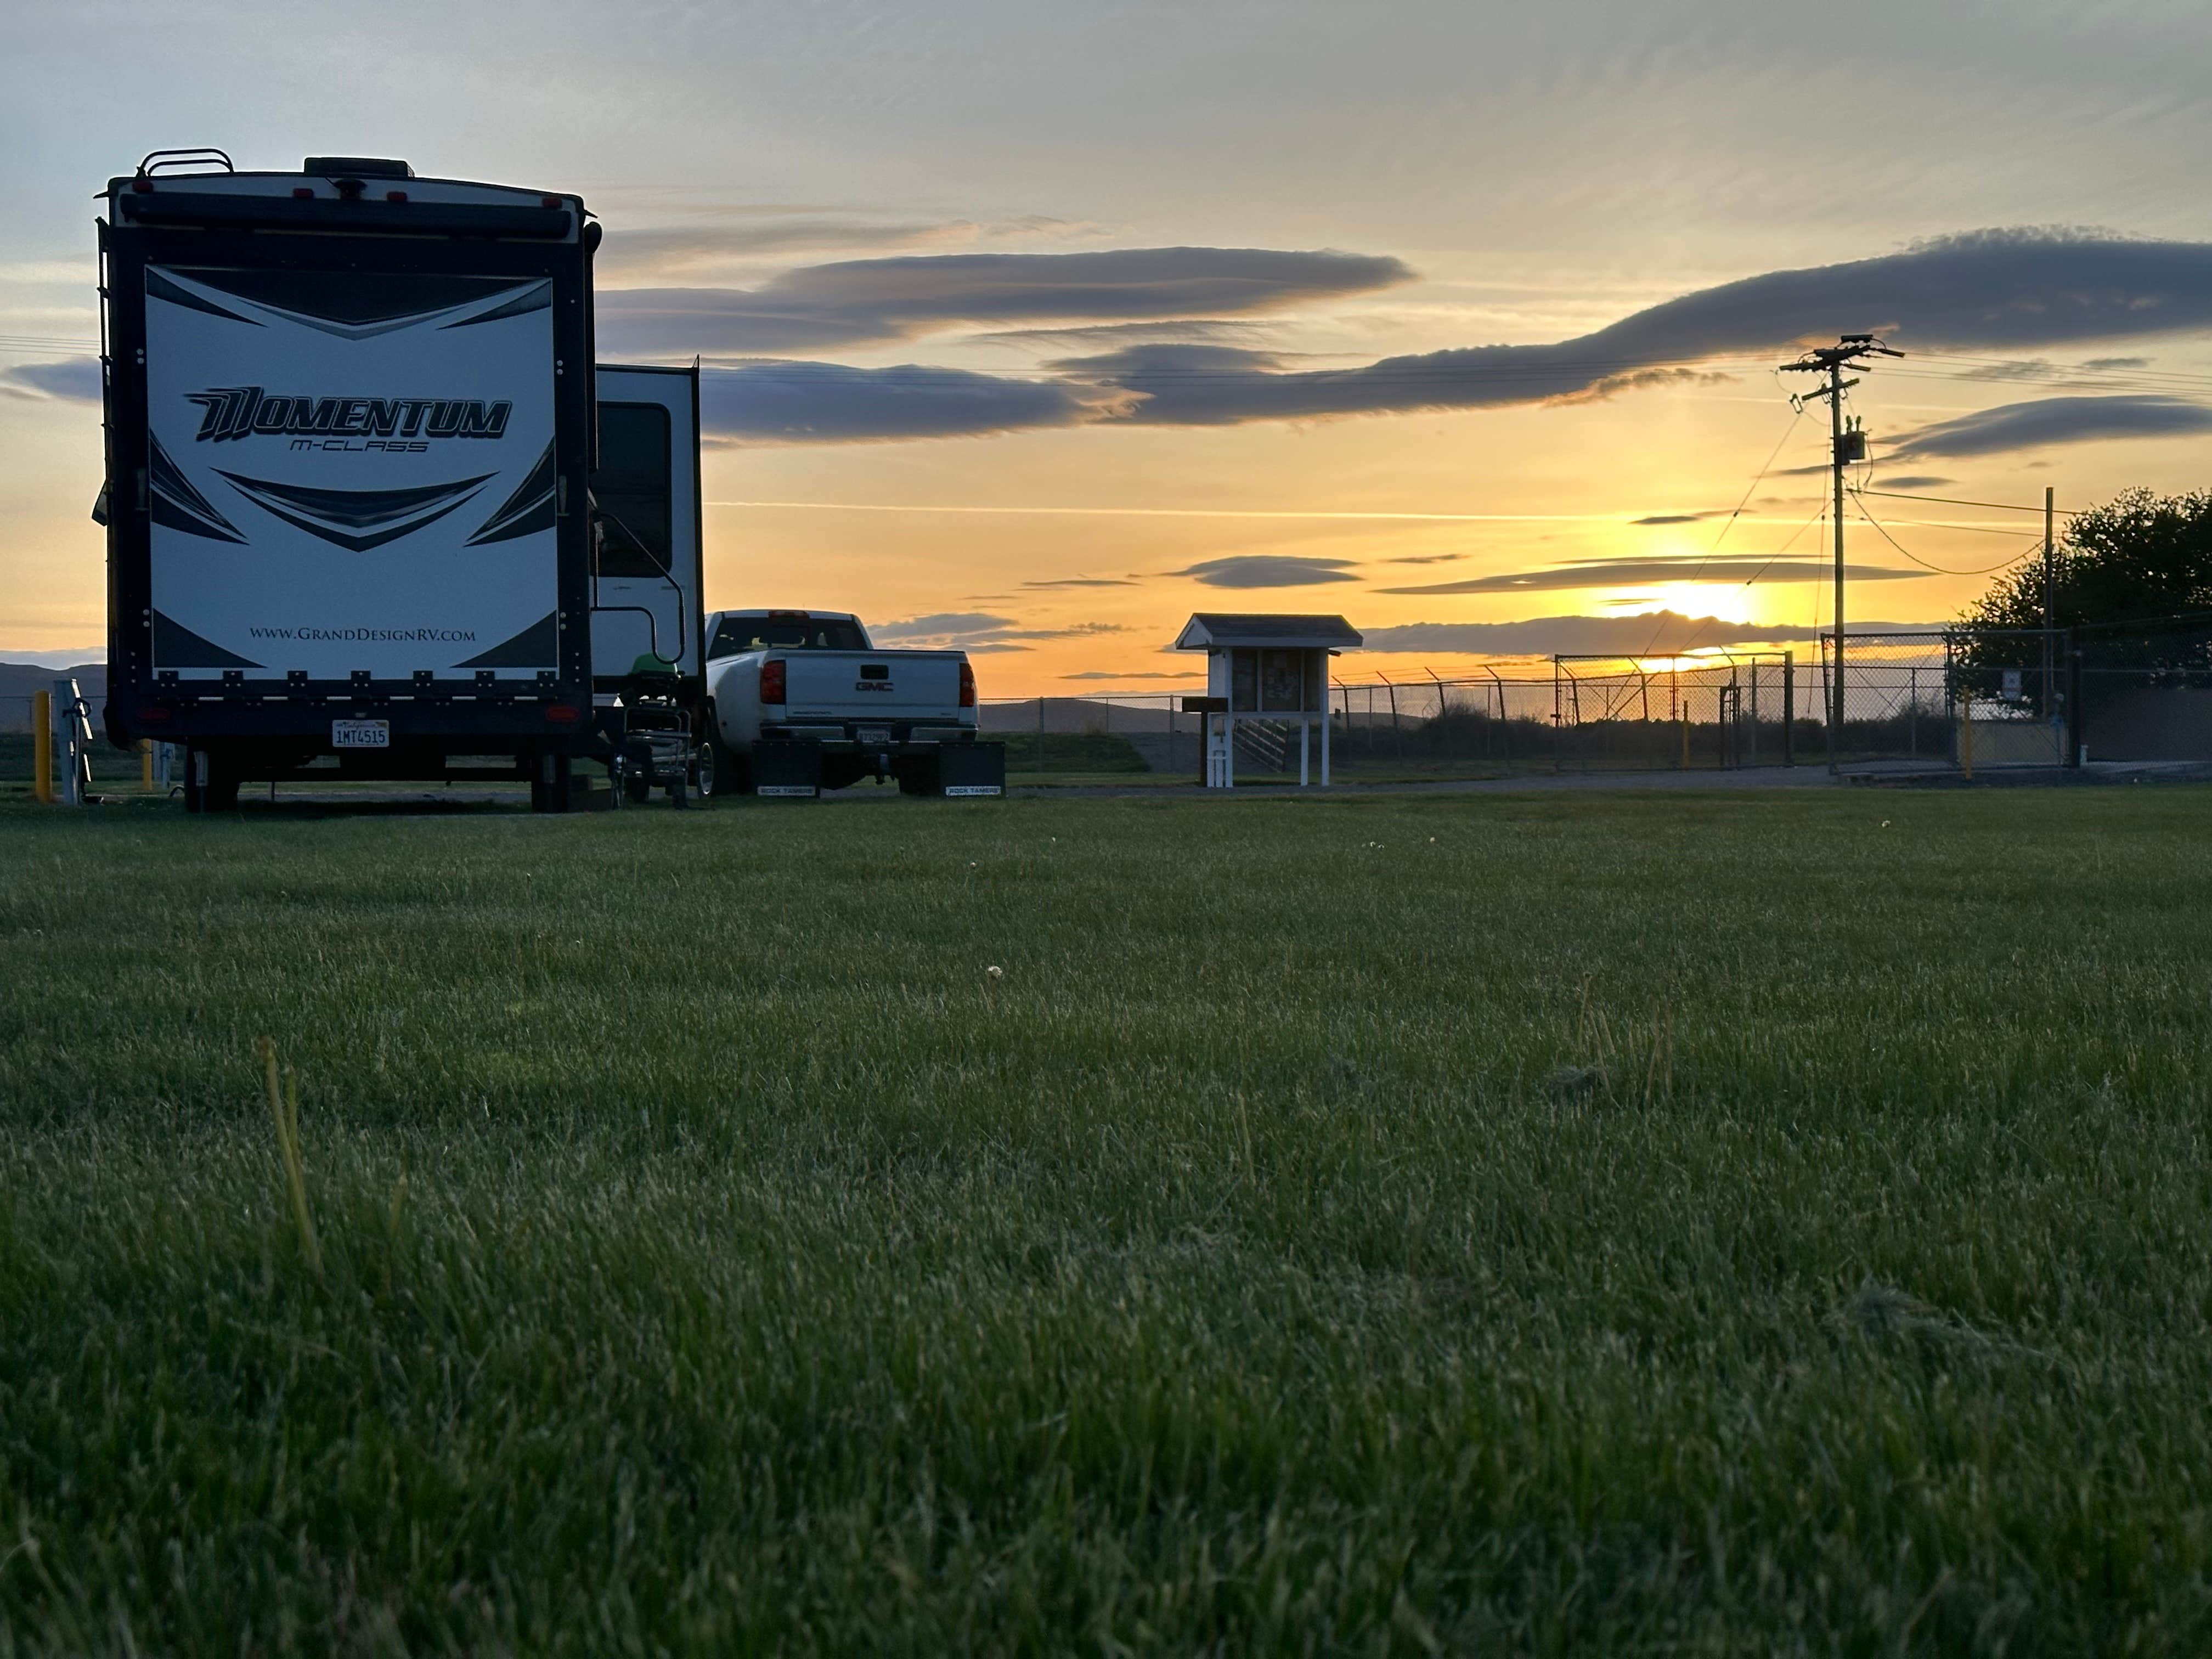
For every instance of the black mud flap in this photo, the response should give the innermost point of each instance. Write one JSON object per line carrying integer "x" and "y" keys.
{"x": 971, "y": 768}
{"x": 787, "y": 769}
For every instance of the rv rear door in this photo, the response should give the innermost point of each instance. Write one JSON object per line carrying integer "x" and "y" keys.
{"x": 350, "y": 471}
{"x": 645, "y": 491}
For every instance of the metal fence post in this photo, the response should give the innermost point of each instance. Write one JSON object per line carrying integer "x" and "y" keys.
{"x": 2077, "y": 732}
{"x": 42, "y": 746}
{"x": 1504, "y": 731}
{"x": 1557, "y": 700}
{"x": 1790, "y": 709}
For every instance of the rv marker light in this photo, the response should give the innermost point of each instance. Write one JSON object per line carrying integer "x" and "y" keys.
{"x": 562, "y": 714}
{"x": 395, "y": 195}
{"x": 303, "y": 192}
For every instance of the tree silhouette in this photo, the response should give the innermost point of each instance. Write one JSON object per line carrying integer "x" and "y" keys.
{"x": 2133, "y": 577}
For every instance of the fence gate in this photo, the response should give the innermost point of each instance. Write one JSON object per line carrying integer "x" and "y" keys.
{"x": 1961, "y": 699}
{"x": 1615, "y": 713}
{"x": 1734, "y": 733}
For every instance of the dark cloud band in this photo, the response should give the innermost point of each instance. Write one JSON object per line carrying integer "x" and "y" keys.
{"x": 1649, "y": 633}
{"x": 790, "y": 402}
{"x": 1267, "y": 570}
{"x": 858, "y": 301}
{"x": 75, "y": 378}
{"x": 1991, "y": 290}
{"x": 2049, "y": 421}
{"x": 1613, "y": 573}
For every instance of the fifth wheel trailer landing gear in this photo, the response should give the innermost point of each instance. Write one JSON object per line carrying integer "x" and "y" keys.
{"x": 552, "y": 784}
{"x": 210, "y": 784}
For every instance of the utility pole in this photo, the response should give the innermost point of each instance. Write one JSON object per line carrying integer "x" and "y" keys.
{"x": 2050, "y": 586}
{"x": 1850, "y": 352}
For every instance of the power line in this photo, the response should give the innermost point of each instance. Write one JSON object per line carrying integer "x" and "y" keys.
{"x": 1820, "y": 513}
{"x": 1882, "y": 531}
{"x": 1796, "y": 413}
{"x": 1952, "y": 524}
{"x": 1953, "y": 501}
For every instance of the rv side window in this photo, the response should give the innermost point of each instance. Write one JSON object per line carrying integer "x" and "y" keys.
{"x": 633, "y": 489}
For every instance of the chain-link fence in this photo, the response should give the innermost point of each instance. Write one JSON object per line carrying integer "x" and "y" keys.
{"x": 1962, "y": 698}
{"x": 1953, "y": 699}
{"x": 1718, "y": 712}
{"x": 1569, "y": 713}
{"x": 1379, "y": 730}
{"x": 1938, "y": 701}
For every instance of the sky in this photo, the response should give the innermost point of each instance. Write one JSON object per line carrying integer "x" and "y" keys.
{"x": 1034, "y": 326}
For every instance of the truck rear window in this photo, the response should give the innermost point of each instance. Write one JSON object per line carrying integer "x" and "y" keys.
{"x": 741, "y": 634}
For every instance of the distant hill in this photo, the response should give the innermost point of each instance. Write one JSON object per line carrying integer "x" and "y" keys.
{"x": 18, "y": 680}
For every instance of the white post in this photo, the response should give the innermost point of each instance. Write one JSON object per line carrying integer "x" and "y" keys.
{"x": 70, "y": 753}
{"x": 1219, "y": 738}
{"x": 1306, "y": 743}
{"x": 1325, "y": 718}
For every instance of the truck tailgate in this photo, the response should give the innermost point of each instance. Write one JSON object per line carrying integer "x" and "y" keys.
{"x": 903, "y": 686}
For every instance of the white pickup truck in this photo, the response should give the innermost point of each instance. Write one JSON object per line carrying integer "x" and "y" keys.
{"x": 799, "y": 702}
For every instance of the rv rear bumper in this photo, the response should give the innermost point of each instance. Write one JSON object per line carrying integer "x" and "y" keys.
{"x": 477, "y": 724}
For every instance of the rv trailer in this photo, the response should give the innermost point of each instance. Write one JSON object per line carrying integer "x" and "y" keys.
{"x": 349, "y": 428}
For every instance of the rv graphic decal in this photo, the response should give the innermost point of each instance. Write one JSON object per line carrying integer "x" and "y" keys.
{"x": 244, "y": 411}
{"x": 356, "y": 520}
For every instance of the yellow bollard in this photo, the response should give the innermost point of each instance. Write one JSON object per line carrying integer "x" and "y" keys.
{"x": 42, "y": 746}
{"x": 146, "y": 765}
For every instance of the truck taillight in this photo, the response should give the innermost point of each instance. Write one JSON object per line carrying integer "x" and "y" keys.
{"x": 772, "y": 680}
{"x": 967, "y": 686}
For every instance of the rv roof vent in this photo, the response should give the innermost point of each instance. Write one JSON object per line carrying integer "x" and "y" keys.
{"x": 361, "y": 167}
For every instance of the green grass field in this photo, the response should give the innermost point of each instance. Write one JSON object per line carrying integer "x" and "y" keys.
{"x": 1765, "y": 1224}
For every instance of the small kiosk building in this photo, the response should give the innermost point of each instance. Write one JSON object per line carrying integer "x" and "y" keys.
{"x": 1270, "y": 668}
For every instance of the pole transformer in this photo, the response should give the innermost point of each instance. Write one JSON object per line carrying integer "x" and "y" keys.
{"x": 1845, "y": 445}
